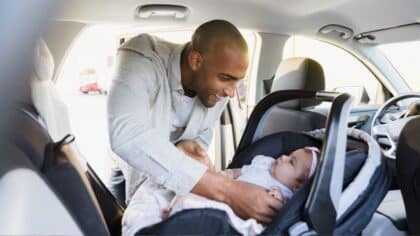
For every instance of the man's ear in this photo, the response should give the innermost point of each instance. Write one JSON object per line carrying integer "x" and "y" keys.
{"x": 195, "y": 60}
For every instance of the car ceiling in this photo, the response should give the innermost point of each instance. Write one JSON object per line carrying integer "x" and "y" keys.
{"x": 272, "y": 16}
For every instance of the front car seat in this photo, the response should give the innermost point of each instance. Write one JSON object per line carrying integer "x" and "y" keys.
{"x": 45, "y": 97}
{"x": 46, "y": 188}
{"x": 408, "y": 173}
{"x": 47, "y": 108}
{"x": 295, "y": 73}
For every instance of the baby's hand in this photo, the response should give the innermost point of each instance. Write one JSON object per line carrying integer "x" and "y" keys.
{"x": 275, "y": 192}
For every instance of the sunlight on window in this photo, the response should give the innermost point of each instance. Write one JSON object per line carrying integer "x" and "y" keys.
{"x": 83, "y": 83}
{"x": 406, "y": 59}
{"x": 342, "y": 71}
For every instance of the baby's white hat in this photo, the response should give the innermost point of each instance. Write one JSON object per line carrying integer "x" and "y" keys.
{"x": 315, "y": 152}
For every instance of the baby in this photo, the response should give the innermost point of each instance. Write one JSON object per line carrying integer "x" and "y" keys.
{"x": 281, "y": 177}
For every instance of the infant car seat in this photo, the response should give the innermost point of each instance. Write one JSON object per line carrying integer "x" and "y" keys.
{"x": 349, "y": 183}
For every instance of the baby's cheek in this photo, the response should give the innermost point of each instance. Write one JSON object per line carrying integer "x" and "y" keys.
{"x": 279, "y": 173}
{"x": 272, "y": 170}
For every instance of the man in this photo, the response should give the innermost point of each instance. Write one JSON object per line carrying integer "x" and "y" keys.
{"x": 162, "y": 106}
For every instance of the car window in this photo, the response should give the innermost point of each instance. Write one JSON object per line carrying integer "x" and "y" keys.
{"x": 84, "y": 81}
{"x": 343, "y": 72}
{"x": 405, "y": 57}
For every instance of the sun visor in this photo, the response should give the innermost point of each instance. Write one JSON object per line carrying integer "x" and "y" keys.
{"x": 401, "y": 33}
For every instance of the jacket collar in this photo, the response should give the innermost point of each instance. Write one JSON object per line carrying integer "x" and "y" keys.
{"x": 160, "y": 51}
{"x": 174, "y": 68}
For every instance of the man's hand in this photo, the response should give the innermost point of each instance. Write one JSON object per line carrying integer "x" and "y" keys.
{"x": 193, "y": 149}
{"x": 247, "y": 200}
{"x": 231, "y": 173}
{"x": 251, "y": 201}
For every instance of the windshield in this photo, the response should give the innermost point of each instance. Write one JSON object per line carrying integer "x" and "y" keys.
{"x": 405, "y": 57}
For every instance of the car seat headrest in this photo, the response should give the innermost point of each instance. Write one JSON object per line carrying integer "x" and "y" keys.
{"x": 43, "y": 62}
{"x": 43, "y": 69}
{"x": 299, "y": 73}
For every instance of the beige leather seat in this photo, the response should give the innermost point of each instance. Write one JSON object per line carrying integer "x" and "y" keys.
{"x": 294, "y": 73}
{"x": 55, "y": 117}
{"x": 45, "y": 97}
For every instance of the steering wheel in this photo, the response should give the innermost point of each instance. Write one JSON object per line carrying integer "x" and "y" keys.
{"x": 387, "y": 125}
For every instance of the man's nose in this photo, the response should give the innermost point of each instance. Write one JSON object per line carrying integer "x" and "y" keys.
{"x": 230, "y": 91}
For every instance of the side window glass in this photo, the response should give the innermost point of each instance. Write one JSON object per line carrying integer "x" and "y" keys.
{"x": 83, "y": 85}
{"x": 405, "y": 57}
{"x": 343, "y": 72}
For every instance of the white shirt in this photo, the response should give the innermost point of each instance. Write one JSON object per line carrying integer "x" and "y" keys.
{"x": 181, "y": 112}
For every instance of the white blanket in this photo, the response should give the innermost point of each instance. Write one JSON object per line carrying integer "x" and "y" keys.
{"x": 193, "y": 201}
{"x": 146, "y": 209}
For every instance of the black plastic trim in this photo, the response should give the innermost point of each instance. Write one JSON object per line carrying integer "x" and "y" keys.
{"x": 111, "y": 209}
{"x": 266, "y": 103}
{"x": 322, "y": 204}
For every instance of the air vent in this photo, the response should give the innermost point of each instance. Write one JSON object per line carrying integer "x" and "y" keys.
{"x": 150, "y": 11}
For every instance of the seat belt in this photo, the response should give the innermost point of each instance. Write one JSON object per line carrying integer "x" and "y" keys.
{"x": 31, "y": 111}
{"x": 300, "y": 228}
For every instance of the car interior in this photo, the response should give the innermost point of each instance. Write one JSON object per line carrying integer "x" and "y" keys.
{"x": 368, "y": 179}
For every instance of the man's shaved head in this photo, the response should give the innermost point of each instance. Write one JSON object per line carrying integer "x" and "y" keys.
{"x": 214, "y": 62}
{"x": 217, "y": 31}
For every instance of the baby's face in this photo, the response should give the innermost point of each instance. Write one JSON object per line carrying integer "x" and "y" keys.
{"x": 292, "y": 169}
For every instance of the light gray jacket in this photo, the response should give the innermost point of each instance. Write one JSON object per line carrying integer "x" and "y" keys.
{"x": 139, "y": 115}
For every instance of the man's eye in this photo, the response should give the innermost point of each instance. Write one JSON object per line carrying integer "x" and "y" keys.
{"x": 224, "y": 78}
